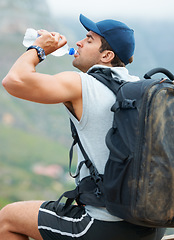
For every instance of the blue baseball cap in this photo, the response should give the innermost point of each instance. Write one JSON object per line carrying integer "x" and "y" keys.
{"x": 119, "y": 36}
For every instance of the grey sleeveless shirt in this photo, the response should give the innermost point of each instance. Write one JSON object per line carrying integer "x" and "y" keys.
{"x": 93, "y": 126}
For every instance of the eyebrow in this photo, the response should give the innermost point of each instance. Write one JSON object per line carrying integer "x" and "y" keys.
{"x": 90, "y": 36}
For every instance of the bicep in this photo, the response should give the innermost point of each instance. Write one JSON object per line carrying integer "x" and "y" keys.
{"x": 43, "y": 88}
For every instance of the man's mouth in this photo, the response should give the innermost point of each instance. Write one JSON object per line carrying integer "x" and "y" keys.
{"x": 76, "y": 54}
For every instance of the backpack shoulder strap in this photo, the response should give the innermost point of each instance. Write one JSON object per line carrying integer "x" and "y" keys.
{"x": 92, "y": 169}
{"x": 104, "y": 75}
{"x": 94, "y": 182}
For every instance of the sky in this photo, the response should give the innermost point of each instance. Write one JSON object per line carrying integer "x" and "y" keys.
{"x": 99, "y": 9}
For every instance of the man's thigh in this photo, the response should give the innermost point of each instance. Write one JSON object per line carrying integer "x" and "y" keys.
{"x": 55, "y": 222}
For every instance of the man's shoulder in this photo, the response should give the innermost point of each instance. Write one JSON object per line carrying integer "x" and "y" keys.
{"x": 65, "y": 74}
{"x": 68, "y": 77}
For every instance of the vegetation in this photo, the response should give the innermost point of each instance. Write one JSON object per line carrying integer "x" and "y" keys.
{"x": 30, "y": 134}
{"x": 20, "y": 152}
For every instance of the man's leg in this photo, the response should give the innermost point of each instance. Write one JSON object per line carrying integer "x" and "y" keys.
{"x": 19, "y": 220}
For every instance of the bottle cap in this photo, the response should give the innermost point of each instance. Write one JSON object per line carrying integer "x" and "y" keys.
{"x": 72, "y": 51}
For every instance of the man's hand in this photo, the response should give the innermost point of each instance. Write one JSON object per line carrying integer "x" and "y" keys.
{"x": 50, "y": 41}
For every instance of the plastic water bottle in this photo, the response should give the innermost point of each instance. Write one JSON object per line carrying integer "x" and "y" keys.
{"x": 31, "y": 35}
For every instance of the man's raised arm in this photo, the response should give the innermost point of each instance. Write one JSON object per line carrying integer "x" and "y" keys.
{"x": 24, "y": 82}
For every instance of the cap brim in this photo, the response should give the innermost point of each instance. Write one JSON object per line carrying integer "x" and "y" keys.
{"x": 89, "y": 25}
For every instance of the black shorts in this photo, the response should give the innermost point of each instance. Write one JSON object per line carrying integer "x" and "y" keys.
{"x": 77, "y": 224}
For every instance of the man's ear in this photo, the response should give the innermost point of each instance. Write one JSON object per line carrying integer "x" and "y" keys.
{"x": 107, "y": 56}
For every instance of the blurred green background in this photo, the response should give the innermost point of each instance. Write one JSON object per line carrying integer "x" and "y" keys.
{"x": 34, "y": 138}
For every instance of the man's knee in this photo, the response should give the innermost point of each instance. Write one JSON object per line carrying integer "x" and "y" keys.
{"x": 5, "y": 218}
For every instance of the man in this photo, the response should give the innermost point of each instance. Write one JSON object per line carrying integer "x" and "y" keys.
{"x": 108, "y": 44}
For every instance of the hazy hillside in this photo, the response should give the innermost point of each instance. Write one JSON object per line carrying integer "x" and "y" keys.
{"x": 32, "y": 136}
{"x": 42, "y": 119}
{"x": 35, "y": 136}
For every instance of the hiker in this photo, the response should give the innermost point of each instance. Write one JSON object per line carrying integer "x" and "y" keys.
{"x": 108, "y": 44}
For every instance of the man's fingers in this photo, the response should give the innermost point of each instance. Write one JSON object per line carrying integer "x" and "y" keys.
{"x": 41, "y": 31}
{"x": 50, "y": 41}
{"x": 56, "y": 36}
{"x": 63, "y": 41}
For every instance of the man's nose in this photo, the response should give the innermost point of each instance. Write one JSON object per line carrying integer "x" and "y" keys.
{"x": 79, "y": 43}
